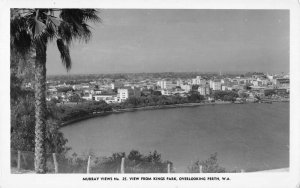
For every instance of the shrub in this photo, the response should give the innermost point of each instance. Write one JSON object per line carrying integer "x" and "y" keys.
{"x": 209, "y": 165}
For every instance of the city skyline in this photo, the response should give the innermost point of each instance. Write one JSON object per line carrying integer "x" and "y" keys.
{"x": 218, "y": 73}
{"x": 134, "y": 41}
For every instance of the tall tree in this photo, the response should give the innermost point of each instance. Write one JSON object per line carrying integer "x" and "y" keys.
{"x": 32, "y": 29}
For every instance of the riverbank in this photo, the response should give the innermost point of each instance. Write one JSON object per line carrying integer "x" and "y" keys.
{"x": 168, "y": 106}
{"x": 184, "y": 105}
{"x": 114, "y": 111}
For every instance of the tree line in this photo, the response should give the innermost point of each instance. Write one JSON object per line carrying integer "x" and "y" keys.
{"x": 225, "y": 95}
{"x": 158, "y": 100}
{"x": 83, "y": 109}
{"x": 68, "y": 112}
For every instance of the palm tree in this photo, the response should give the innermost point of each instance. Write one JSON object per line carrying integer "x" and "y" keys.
{"x": 31, "y": 30}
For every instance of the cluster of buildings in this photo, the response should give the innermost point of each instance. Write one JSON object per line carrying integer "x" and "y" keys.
{"x": 116, "y": 91}
{"x": 257, "y": 83}
{"x": 91, "y": 92}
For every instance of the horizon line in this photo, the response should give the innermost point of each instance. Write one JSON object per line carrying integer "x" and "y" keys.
{"x": 200, "y": 72}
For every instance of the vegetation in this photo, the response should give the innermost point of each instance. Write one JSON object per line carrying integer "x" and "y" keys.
{"x": 135, "y": 162}
{"x": 31, "y": 30}
{"x": 270, "y": 92}
{"x": 64, "y": 89}
{"x": 225, "y": 95}
{"x": 195, "y": 87}
{"x": 195, "y": 97}
{"x": 23, "y": 121}
{"x": 156, "y": 99}
{"x": 247, "y": 86}
{"x": 75, "y": 98}
{"x": 66, "y": 113}
{"x": 243, "y": 95}
{"x": 209, "y": 165}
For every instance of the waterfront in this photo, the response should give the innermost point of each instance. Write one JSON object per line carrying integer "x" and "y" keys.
{"x": 250, "y": 136}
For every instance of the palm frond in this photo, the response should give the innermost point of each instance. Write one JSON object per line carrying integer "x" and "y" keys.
{"x": 20, "y": 39}
{"x": 91, "y": 15}
{"x": 54, "y": 20}
{"x": 52, "y": 24}
{"x": 35, "y": 27}
{"x": 64, "y": 54}
{"x": 65, "y": 32}
{"x": 87, "y": 34}
{"x": 77, "y": 19}
{"x": 39, "y": 29}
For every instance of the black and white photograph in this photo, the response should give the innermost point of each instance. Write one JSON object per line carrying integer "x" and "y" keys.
{"x": 187, "y": 94}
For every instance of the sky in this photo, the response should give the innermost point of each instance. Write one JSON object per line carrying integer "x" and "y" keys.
{"x": 160, "y": 40}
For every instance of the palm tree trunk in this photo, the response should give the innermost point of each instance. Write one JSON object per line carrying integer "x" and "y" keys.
{"x": 40, "y": 109}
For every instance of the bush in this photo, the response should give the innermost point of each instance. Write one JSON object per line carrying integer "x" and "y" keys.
{"x": 208, "y": 166}
{"x": 225, "y": 95}
{"x": 135, "y": 162}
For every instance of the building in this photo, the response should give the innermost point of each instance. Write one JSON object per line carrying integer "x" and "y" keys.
{"x": 186, "y": 88}
{"x": 123, "y": 94}
{"x": 97, "y": 92}
{"x": 264, "y": 82}
{"x": 225, "y": 81}
{"x": 257, "y": 83}
{"x": 164, "y": 84}
{"x": 216, "y": 85}
{"x": 178, "y": 91}
{"x": 179, "y": 82}
{"x": 103, "y": 97}
{"x": 204, "y": 90}
{"x": 111, "y": 100}
{"x": 198, "y": 81}
{"x": 88, "y": 97}
{"x": 282, "y": 82}
{"x": 224, "y": 88}
{"x": 108, "y": 98}
{"x": 116, "y": 85}
{"x": 270, "y": 77}
{"x": 52, "y": 91}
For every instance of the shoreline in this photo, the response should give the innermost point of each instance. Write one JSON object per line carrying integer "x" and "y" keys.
{"x": 184, "y": 105}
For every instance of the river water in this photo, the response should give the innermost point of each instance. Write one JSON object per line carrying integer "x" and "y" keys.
{"x": 245, "y": 136}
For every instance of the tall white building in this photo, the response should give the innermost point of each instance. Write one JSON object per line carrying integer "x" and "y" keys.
{"x": 123, "y": 94}
{"x": 216, "y": 85}
{"x": 160, "y": 83}
{"x": 204, "y": 90}
{"x": 179, "y": 82}
{"x": 112, "y": 85}
{"x": 164, "y": 84}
